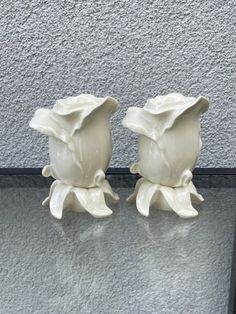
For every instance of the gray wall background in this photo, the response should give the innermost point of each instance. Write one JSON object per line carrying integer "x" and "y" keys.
{"x": 131, "y": 50}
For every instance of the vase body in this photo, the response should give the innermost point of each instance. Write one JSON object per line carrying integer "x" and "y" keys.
{"x": 168, "y": 160}
{"x": 169, "y": 139}
{"x": 80, "y": 148}
{"x": 89, "y": 153}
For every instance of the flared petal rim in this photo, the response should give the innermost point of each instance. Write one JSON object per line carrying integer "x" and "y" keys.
{"x": 83, "y": 103}
{"x": 174, "y": 102}
{"x": 68, "y": 115}
{"x": 143, "y": 120}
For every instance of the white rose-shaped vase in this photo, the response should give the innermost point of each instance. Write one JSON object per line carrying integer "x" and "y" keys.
{"x": 80, "y": 149}
{"x": 169, "y": 145}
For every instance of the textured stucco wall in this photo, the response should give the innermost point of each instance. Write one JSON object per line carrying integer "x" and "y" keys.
{"x": 131, "y": 50}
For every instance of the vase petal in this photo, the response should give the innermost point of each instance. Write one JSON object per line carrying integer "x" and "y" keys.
{"x": 179, "y": 200}
{"x": 132, "y": 197}
{"x": 58, "y": 198}
{"x": 107, "y": 190}
{"x": 92, "y": 200}
{"x": 144, "y": 197}
{"x": 140, "y": 121}
{"x": 49, "y": 123}
{"x": 195, "y": 196}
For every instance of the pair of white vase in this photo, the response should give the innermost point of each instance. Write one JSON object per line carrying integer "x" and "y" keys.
{"x": 80, "y": 148}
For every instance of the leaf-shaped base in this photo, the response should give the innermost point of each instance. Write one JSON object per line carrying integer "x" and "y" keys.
{"x": 177, "y": 199}
{"x": 91, "y": 200}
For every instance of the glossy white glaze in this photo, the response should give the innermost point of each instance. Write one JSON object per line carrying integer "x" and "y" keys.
{"x": 80, "y": 144}
{"x": 91, "y": 200}
{"x": 169, "y": 140}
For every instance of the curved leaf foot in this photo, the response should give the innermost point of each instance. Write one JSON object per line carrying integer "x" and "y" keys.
{"x": 177, "y": 199}
{"x": 92, "y": 200}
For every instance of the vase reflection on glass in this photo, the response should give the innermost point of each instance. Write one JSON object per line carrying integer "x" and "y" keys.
{"x": 80, "y": 148}
{"x": 169, "y": 145}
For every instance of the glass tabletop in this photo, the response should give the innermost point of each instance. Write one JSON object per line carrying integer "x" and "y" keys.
{"x": 125, "y": 263}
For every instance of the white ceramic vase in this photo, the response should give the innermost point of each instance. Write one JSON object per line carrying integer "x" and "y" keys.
{"x": 169, "y": 145}
{"x": 80, "y": 148}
